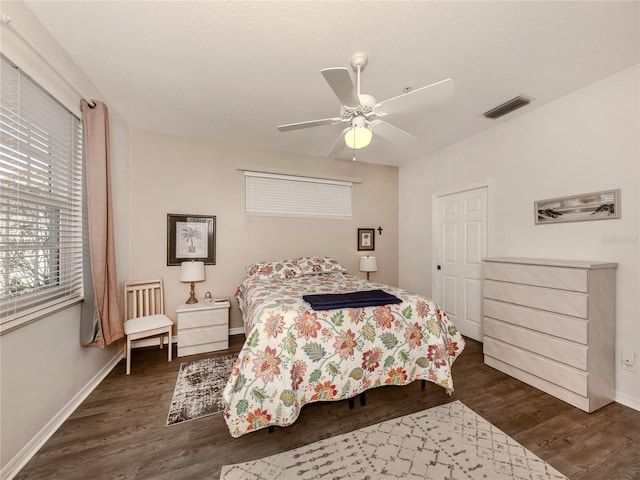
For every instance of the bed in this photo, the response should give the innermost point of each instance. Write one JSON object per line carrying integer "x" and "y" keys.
{"x": 294, "y": 355}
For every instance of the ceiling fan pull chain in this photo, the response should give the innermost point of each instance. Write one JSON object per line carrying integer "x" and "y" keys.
{"x": 354, "y": 135}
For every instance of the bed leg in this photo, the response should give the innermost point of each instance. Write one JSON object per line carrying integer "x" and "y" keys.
{"x": 363, "y": 399}
{"x": 424, "y": 384}
{"x": 270, "y": 429}
{"x": 351, "y": 403}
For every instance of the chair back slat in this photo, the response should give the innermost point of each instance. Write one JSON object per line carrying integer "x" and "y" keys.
{"x": 143, "y": 298}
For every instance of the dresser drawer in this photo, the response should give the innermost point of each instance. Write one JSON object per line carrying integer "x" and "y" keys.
{"x": 562, "y": 326}
{"x": 580, "y": 401}
{"x": 558, "y": 301}
{"x": 203, "y": 318}
{"x": 553, "y": 372}
{"x": 554, "y": 348}
{"x": 575, "y": 279}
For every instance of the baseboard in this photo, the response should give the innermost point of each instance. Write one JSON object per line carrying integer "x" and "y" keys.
{"x": 152, "y": 342}
{"x": 13, "y": 467}
{"x": 236, "y": 331}
{"x": 628, "y": 401}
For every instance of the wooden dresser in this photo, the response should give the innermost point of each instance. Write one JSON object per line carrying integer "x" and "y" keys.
{"x": 551, "y": 324}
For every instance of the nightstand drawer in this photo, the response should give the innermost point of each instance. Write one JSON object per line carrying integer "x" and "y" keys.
{"x": 197, "y": 336}
{"x": 204, "y": 318}
{"x": 203, "y": 348}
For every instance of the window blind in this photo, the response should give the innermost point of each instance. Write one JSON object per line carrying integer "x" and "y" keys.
{"x": 41, "y": 156}
{"x": 285, "y": 195}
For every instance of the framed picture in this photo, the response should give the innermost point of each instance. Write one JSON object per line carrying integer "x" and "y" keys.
{"x": 578, "y": 208}
{"x": 191, "y": 237}
{"x": 366, "y": 239}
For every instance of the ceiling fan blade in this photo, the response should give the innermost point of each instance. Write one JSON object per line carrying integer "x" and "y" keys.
{"x": 340, "y": 82}
{"x": 339, "y": 145}
{"x": 311, "y": 123}
{"x": 417, "y": 98}
{"x": 391, "y": 133}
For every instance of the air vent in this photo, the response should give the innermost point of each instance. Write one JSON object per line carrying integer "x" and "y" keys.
{"x": 507, "y": 107}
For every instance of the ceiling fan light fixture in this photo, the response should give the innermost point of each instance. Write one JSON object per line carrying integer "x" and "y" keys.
{"x": 360, "y": 112}
{"x": 358, "y": 136}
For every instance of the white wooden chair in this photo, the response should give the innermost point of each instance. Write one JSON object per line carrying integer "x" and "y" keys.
{"x": 144, "y": 314}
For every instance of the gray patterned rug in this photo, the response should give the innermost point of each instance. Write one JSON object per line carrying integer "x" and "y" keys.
{"x": 199, "y": 387}
{"x": 447, "y": 442}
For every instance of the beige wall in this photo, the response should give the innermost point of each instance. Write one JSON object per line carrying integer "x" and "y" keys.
{"x": 171, "y": 174}
{"x": 587, "y": 141}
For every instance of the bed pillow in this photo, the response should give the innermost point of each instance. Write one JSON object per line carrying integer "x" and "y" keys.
{"x": 313, "y": 265}
{"x": 279, "y": 270}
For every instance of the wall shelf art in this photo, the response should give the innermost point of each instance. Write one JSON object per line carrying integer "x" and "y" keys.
{"x": 603, "y": 205}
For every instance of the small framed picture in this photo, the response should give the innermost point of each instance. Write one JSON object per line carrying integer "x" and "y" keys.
{"x": 191, "y": 237}
{"x": 366, "y": 239}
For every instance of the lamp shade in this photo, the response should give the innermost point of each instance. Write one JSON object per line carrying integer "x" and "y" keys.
{"x": 191, "y": 272}
{"x": 368, "y": 264}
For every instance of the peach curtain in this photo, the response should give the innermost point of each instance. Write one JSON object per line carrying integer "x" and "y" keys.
{"x": 106, "y": 322}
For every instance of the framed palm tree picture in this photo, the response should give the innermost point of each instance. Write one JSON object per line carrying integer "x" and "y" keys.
{"x": 191, "y": 237}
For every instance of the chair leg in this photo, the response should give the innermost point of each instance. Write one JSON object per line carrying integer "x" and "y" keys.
{"x": 128, "y": 354}
{"x": 169, "y": 345}
{"x": 161, "y": 341}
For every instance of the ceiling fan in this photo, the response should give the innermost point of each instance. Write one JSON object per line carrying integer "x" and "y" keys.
{"x": 361, "y": 112}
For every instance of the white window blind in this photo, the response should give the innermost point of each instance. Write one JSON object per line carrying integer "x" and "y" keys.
{"x": 40, "y": 198}
{"x": 286, "y": 195}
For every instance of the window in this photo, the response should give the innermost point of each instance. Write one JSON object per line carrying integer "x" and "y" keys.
{"x": 286, "y": 195}
{"x": 40, "y": 199}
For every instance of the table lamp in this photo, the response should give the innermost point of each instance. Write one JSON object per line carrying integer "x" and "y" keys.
{"x": 368, "y": 264}
{"x": 192, "y": 272}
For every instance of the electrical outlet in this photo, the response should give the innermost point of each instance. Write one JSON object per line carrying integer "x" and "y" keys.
{"x": 628, "y": 359}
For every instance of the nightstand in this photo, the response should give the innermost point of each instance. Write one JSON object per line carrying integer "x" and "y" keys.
{"x": 203, "y": 327}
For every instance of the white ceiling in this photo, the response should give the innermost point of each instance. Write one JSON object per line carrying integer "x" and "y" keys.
{"x": 232, "y": 71}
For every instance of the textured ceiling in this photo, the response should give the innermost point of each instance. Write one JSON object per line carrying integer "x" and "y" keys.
{"x": 232, "y": 71}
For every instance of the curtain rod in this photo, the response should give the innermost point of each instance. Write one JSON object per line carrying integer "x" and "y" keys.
{"x": 6, "y": 20}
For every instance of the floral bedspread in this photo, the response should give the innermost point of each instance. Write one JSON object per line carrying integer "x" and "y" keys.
{"x": 294, "y": 355}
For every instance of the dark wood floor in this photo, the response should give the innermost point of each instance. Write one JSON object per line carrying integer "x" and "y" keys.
{"x": 119, "y": 431}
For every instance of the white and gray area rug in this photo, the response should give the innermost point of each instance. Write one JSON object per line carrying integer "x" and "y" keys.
{"x": 199, "y": 387}
{"x": 448, "y": 442}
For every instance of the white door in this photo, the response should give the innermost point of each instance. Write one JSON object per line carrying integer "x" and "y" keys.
{"x": 461, "y": 243}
